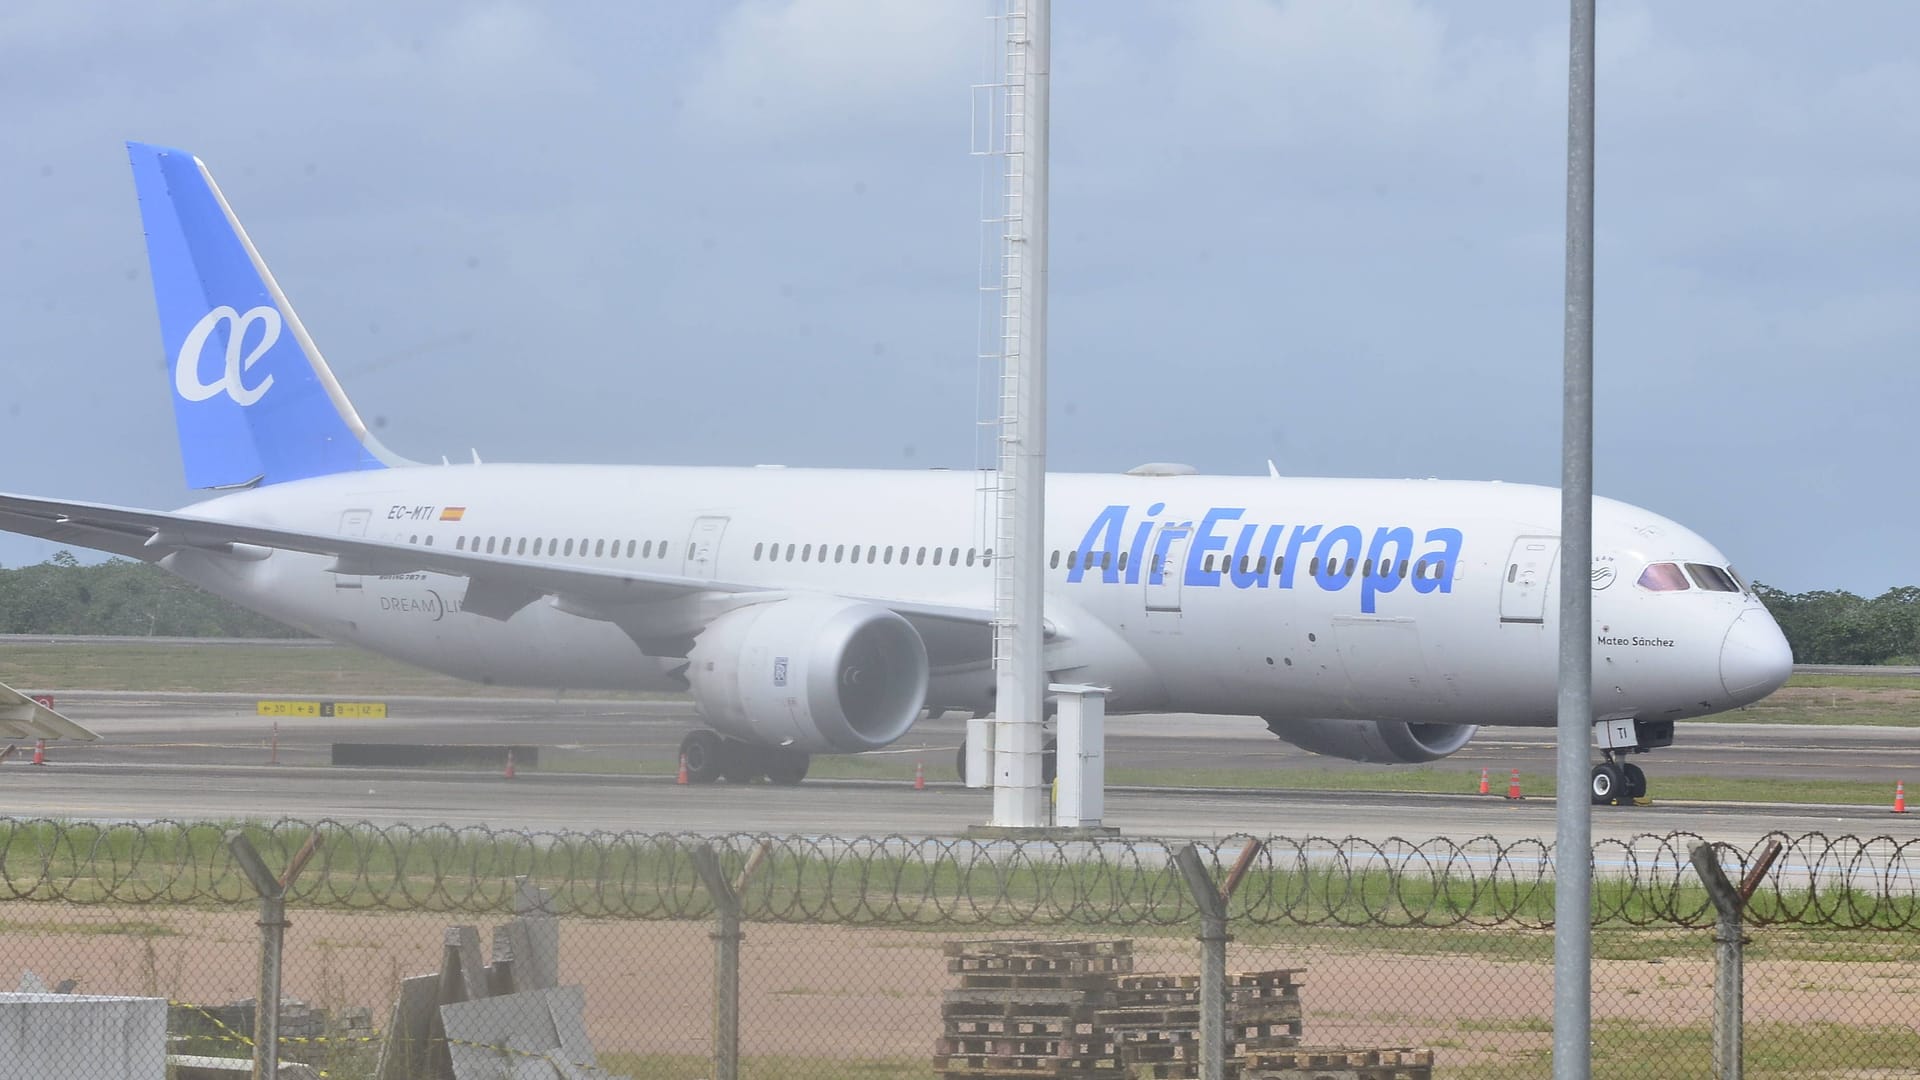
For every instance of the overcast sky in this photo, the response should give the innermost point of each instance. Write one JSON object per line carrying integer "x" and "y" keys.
{"x": 1330, "y": 234}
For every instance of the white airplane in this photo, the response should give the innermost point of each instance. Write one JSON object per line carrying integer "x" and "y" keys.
{"x": 823, "y": 611}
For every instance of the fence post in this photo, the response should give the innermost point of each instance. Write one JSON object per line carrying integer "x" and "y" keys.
{"x": 273, "y": 932}
{"x": 727, "y": 936}
{"x": 1212, "y": 902}
{"x": 1729, "y": 903}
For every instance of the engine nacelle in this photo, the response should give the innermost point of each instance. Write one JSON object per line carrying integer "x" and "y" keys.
{"x": 817, "y": 673}
{"x": 1384, "y": 742}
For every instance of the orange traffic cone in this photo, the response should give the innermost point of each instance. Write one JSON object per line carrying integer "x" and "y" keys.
{"x": 1899, "y": 797}
{"x": 509, "y": 764}
{"x": 1483, "y": 783}
{"x": 682, "y": 777}
{"x": 1513, "y": 786}
{"x": 39, "y": 751}
{"x": 919, "y": 777}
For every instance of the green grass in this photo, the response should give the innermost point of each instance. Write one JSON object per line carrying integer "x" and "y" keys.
{"x": 84, "y": 929}
{"x": 1855, "y": 682}
{"x": 449, "y": 870}
{"x": 336, "y": 670}
{"x": 1443, "y": 780}
{"x": 1642, "y": 1051}
{"x": 768, "y": 1067}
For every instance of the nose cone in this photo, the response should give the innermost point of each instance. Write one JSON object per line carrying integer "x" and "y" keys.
{"x": 1755, "y": 660}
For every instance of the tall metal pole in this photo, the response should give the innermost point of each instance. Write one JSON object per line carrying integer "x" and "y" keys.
{"x": 1019, "y": 798}
{"x": 1573, "y": 843}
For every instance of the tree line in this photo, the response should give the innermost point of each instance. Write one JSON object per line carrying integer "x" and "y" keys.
{"x": 1836, "y": 627}
{"x": 121, "y": 597}
{"x": 65, "y": 596}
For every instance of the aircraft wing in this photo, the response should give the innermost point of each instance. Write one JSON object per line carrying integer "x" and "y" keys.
{"x": 497, "y": 585}
{"x": 21, "y": 717}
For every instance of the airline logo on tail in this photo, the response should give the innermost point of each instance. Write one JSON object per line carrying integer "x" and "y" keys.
{"x": 231, "y": 380}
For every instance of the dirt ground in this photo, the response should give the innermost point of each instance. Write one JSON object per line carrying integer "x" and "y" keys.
{"x": 839, "y": 992}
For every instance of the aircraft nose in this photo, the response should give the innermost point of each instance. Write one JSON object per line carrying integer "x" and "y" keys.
{"x": 1755, "y": 659}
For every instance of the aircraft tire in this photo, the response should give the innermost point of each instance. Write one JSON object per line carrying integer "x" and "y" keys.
{"x": 702, "y": 751}
{"x": 787, "y": 767}
{"x": 1636, "y": 781}
{"x": 741, "y": 762}
{"x": 1608, "y": 785}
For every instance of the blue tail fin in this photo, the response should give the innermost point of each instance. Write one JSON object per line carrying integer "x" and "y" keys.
{"x": 254, "y": 400}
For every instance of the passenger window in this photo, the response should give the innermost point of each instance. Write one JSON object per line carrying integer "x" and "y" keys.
{"x": 646, "y": 549}
{"x": 790, "y": 550}
{"x": 429, "y": 539}
{"x": 937, "y": 553}
{"x": 523, "y": 546}
{"x": 886, "y": 558}
{"x": 1313, "y": 566}
{"x": 921, "y": 558}
{"x": 1123, "y": 561}
{"x": 1073, "y": 560}
{"x": 987, "y": 557}
{"x": 953, "y": 556}
{"x": 460, "y": 543}
{"x": 631, "y": 544}
{"x": 1347, "y": 570}
{"x": 872, "y": 552}
{"x": 806, "y": 553}
{"x": 1663, "y": 577}
{"x": 1403, "y": 569}
{"x": 972, "y": 553}
{"x": 839, "y": 552}
{"x": 1711, "y": 578}
{"x": 490, "y": 545}
{"x": 1207, "y": 564}
{"x": 1366, "y": 569}
{"x": 1260, "y": 567}
{"x": 1055, "y": 562}
{"x": 569, "y": 546}
{"x": 757, "y": 549}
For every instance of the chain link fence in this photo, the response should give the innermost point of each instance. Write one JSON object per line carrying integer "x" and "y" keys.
{"x": 461, "y": 953}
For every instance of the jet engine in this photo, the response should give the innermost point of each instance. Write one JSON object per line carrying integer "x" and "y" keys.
{"x": 811, "y": 673}
{"x": 1384, "y": 742}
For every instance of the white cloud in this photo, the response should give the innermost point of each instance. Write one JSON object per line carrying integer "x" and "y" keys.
{"x": 801, "y": 68}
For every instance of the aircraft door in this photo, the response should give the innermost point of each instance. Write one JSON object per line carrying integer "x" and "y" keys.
{"x": 703, "y": 547}
{"x": 352, "y": 523}
{"x": 1166, "y": 566}
{"x": 1523, "y": 589}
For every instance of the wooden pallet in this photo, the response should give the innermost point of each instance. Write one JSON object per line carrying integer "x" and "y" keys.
{"x": 1248, "y": 1015}
{"x": 982, "y": 948}
{"x": 1011, "y": 1003}
{"x": 1339, "y": 1063}
{"x": 1026, "y": 1065}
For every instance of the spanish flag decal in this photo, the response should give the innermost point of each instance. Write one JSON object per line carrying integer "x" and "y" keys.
{"x": 453, "y": 513}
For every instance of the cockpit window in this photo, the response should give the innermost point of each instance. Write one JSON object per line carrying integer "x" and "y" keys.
{"x": 1712, "y": 578}
{"x": 1740, "y": 581}
{"x": 1663, "y": 577}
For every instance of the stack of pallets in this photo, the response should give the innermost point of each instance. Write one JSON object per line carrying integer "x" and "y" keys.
{"x": 1026, "y": 1009}
{"x": 1155, "y": 1019}
{"x": 1078, "y": 1009}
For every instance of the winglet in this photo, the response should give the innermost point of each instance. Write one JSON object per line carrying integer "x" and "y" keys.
{"x": 21, "y": 717}
{"x": 1273, "y": 471}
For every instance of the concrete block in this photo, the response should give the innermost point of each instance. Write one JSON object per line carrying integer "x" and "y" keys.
{"x": 83, "y": 1036}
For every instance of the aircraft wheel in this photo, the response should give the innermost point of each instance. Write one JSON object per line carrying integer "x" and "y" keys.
{"x": 786, "y": 766}
{"x": 702, "y": 751}
{"x": 741, "y": 762}
{"x": 1608, "y": 784}
{"x": 1636, "y": 781}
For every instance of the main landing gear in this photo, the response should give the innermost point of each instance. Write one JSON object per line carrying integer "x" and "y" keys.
{"x": 710, "y": 756}
{"x": 1613, "y": 782}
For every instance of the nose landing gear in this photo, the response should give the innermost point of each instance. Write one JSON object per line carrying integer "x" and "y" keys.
{"x": 1616, "y": 784}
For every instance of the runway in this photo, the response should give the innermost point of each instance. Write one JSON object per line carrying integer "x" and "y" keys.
{"x": 198, "y": 756}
